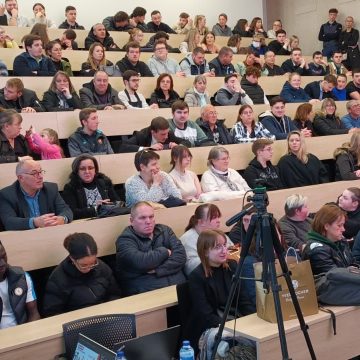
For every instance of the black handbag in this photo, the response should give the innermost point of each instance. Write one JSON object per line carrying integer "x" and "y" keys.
{"x": 108, "y": 210}
{"x": 172, "y": 201}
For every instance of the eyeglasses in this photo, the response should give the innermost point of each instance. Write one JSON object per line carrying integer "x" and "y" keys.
{"x": 86, "y": 168}
{"x": 219, "y": 247}
{"x": 212, "y": 113}
{"x": 36, "y": 173}
{"x": 85, "y": 267}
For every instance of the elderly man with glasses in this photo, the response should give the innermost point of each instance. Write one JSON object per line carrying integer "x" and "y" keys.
{"x": 30, "y": 202}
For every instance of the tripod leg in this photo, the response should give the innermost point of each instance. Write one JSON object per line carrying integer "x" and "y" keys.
{"x": 285, "y": 270}
{"x": 269, "y": 261}
{"x": 235, "y": 282}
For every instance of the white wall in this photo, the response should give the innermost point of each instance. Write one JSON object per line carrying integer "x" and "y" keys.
{"x": 304, "y": 18}
{"x": 92, "y": 11}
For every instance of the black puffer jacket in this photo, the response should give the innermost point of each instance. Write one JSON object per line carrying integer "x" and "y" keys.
{"x": 68, "y": 289}
{"x": 108, "y": 42}
{"x": 325, "y": 254}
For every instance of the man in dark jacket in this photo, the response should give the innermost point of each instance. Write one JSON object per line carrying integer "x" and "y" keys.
{"x": 137, "y": 19}
{"x": 280, "y": 45}
{"x": 156, "y": 25}
{"x": 32, "y": 62}
{"x": 276, "y": 121}
{"x": 15, "y": 96}
{"x": 70, "y": 22}
{"x": 99, "y": 94}
{"x": 30, "y": 202}
{"x": 118, "y": 22}
{"x": 250, "y": 84}
{"x": 322, "y": 89}
{"x": 270, "y": 68}
{"x": 213, "y": 127}
{"x": 329, "y": 34}
{"x": 157, "y": 136}
{"x": 195, "y": 63}
{"x": 349, "y": 201}
{"x": 99, "y": 34}
{"x": 88, "y": 138}
{"x": 131, "y": 60}
{"x": 148, "y": 256}
{"x": 18, "y": 292}
{"x": 222, "y": 65}
{"x": 296, "y": 63}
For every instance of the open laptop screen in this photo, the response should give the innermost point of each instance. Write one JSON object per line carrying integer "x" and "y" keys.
{"x": 88, "y": 349}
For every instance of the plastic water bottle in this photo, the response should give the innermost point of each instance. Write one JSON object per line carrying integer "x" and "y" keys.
{"x": 186, "y": 351}
{"x": 120, "y": 355}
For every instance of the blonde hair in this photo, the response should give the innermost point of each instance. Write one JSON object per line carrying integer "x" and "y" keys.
{"x": 90, "y": 58}
{"x": 302, "y": 154}
{"x": 190, "y": 39}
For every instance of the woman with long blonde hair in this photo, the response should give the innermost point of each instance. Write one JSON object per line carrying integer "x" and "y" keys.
{"x": 191, "y": 41}
{"x": 348, "y": 159}
{"x": 200, "y": 24}
{"x": 96, "y": 60}
{"x": 298, "y": 167}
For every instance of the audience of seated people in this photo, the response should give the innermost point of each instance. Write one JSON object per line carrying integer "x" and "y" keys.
{"x": 80, "y": 280}
{"x": 30, "y": 202}
{"x": 68, "y": 286}
{"x": 185, "y": 179}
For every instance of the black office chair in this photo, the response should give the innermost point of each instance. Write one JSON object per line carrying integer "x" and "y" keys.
{"x": 107, "y": 330}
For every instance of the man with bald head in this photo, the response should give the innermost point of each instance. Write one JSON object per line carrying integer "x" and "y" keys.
{"x": 149, "y": 256}
{"x": 30, "y": 202}
{"x": 99, "y": 34}
{"x": 213, "y": 127}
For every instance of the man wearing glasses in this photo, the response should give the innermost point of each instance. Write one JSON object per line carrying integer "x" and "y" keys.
{"x": 30, "y": 202}
{"x": 159, "y": 63}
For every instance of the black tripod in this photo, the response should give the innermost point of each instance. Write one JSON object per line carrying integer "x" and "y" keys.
{"x": 263, "y": 221}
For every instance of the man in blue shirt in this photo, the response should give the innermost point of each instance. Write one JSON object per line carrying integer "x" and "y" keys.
{"x": 352, "y": 119}
{"x": 30, "y": 202}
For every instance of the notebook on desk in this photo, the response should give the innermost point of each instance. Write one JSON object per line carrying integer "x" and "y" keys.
{"x": 162, "y": 345}
{"x": 88, "y": 349}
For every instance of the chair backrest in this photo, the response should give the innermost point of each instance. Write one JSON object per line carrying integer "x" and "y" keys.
{"x": 107, "y": 330}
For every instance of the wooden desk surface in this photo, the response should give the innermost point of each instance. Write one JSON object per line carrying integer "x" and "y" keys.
{"x": 43, "y": 339}
{"x": 326, "y": 345}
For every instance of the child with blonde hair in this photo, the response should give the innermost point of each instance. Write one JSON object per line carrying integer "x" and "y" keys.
{"x": 46, "y": 143}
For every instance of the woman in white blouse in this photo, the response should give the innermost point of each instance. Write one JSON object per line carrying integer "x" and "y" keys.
{"x": 186, "y": 180}
{"x": 220, "y": 182}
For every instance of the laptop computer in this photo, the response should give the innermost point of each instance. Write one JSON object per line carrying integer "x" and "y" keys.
{"x": 88, "y": 349}
{"x": 162, "y": 345}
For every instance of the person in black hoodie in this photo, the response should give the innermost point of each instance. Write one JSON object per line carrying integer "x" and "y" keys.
{"x": 156, "y": 25}
{"x": 213, "y": 127}
{"x": 80, "y": 280}
{"x": 250, "y": 84}
{"x": 164, "y": 94}
{"x": 261, "y": 167}
{"x": 87, "y": 188}
{"x": 98, "y": 33}
{"x": 131, "y": 60}
{"x": 349, "y": 201}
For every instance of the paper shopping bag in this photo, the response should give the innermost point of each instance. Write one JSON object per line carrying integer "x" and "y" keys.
{"x": 303, "y": 283}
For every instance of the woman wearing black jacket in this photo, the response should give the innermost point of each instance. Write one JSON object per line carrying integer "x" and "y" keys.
{"x": 164, "y": 94}
{"x": 61, "y": 95}
{"x": 87, "y": 188}
{"x": 80, "y": 280}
